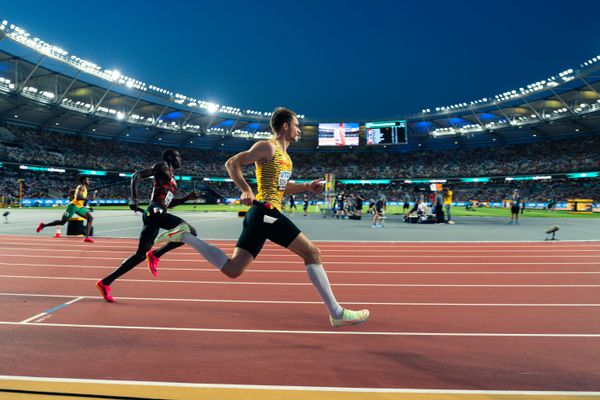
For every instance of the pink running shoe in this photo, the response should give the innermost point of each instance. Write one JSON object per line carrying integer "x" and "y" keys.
{"x": 39, "y": 227}
{"x": 88, "y": 240}
{"x": 152, "y": 263}
{"x": 104, "y": 291}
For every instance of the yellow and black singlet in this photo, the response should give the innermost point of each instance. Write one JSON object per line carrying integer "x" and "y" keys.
{"x": 272, "y": 177}
{"x": 83, "y": 193}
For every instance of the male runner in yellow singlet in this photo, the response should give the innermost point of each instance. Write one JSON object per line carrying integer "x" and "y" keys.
{"x": 264, "y": 219}
{"x": 76, "y": 206}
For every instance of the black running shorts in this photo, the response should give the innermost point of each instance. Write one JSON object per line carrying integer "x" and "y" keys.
{"x": 262, "y": 223}
{"x": 156, "y": 217}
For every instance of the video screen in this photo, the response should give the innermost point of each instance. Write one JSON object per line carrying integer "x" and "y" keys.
{"x": 388, "y": 132}
{"x": 339, "y": 134}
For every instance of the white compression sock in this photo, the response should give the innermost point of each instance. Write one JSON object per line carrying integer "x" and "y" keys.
{"x": 318, "y": 277}
{"x": 211, "y": 253}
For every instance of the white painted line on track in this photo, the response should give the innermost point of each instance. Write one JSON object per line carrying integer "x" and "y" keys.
{"x": 299, "y": 262}
{"x": 425, "y": 263}
{"x": 301, "y": 388}
{"x": 421, "y": 243}
{"x": 329, "y": 271}
{"x": 283, "y": 251}
{"x": 319, "y": 303}
{"x": 300, "y": 332}
{"x": 303, "y": 283}
{"x": 109, "y": 242}
{"x": 47, "y": 312}
{"x": 328, "y": 256}
{"x": 34, "y": 317}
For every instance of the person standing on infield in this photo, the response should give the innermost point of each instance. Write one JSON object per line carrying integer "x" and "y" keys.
{"x": 515, "y": 205}
{"x": 447, "y": 194}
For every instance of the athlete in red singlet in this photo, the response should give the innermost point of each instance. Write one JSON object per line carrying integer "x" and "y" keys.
{"x": 155, "y": 217}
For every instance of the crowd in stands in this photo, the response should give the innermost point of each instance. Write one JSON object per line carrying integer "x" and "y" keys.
{"x": 58, "y": 149}
{"x": 77, "y": 151}
{"x": 31, "y": 146}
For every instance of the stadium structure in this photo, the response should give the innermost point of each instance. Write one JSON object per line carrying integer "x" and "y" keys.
{"x": 44, "y": 87}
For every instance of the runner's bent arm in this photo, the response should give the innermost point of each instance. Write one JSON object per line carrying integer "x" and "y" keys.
{"x": 192, "y": 196}
{"x": 315, "y": 186}
{"x": 135, "y": 182}
{"x": 260, "y": 152}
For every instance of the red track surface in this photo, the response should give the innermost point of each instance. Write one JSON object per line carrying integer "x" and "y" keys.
{"x": 510, "y": 316}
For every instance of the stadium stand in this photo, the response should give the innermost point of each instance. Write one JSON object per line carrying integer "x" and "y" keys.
{"x": 59, "y": 150}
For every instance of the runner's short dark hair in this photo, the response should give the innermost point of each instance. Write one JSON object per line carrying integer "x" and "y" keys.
{"x": 169, "y": 154}
{"x": 280, "y": 116}
{"x": 82, "y": 178}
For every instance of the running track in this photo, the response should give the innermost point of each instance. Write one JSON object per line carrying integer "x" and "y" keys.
{"x": 447, "y": 319}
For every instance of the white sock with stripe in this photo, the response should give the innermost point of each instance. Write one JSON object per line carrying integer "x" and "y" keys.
{"x": 212, "y": 254}
{"x": 319, "y": 279}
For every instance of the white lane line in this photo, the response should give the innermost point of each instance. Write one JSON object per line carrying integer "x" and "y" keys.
{"x": 394, "y": 251}
{"x": 366, "y": 244}
{"x": 32, "y": 318}
{"x": 329, "y": 271}
{"x": 567, "y": 244}
{"x": 300, "y": 388}
{"x": 305, "y": 283}
{"x": 40, "y": 315}
{"x": 301, "y": 332}
{"x": 299, "y": 262}
{"x": 328, "y": 256}
{"x": 250, "y": 301}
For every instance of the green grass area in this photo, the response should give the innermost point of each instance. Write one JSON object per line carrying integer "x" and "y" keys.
{"x": 505, "y": 212}
{"x": 456, "y": 211}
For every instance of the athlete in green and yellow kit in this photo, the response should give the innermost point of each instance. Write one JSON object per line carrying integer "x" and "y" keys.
{"x": 76, "y": 206}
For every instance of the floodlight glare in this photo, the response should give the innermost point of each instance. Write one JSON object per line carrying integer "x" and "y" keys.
{"x": 212, "y": 108}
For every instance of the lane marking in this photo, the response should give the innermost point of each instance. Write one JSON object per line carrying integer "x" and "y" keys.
{"x": 301, "y": 332}
{"x": 368, "y": 258}
{"x": 332, "y": 271}
{"x": 251, "y": 301}
{"x": 47, "y": 312}
{"x": 305, "y": 283}
{"x": 27, "y": 238}
{"x": 509, "y": 263}
{"x": 283, "y": 251}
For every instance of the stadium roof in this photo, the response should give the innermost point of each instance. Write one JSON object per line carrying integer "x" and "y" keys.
{"x": 43, "y": 85}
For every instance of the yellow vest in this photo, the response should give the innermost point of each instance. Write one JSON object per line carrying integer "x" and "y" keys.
{"x": 272, "y": 177}
{"x": 448, "y": 197}
{"x": 79, "y": 203}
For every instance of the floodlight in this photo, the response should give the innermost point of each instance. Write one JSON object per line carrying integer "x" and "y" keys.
{"x": 212, "y": 108}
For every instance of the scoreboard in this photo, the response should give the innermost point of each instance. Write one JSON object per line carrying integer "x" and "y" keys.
{"x": 386, "y": 132}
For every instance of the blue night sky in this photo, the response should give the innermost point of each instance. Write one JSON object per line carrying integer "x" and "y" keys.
{"x": 325, "y": 59}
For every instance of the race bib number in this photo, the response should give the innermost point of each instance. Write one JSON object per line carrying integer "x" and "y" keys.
{"x": 168, "y": 198}
{"x": 284, "y": 177}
